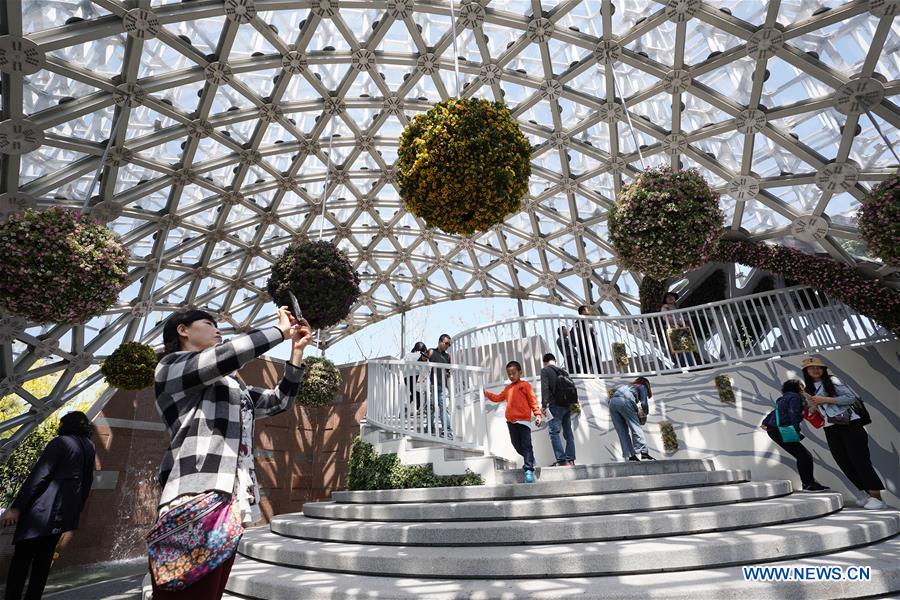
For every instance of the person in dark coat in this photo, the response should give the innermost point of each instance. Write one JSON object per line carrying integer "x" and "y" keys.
{"x": 49, "y": 504}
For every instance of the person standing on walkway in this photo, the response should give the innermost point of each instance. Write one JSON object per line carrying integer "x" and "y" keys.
{"x": 627, "y": 406}
{"x": 520, "y": 405}
{"x": 440, "y": 378}
{"x": 49, "y": 503}
{"x": 558, "y": 395}
{"x": 419, "y": 353}
{"x": 209, "y": 416}
{"x": 586, "y": 344}
{"x": 789, "y": 408}
{"x": 846, "y": 436}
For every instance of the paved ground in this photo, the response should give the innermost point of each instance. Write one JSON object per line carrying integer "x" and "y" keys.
{"x": 120, "y": 580}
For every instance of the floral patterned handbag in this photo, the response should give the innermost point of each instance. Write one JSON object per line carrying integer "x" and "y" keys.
{"x": 193, "y": 539}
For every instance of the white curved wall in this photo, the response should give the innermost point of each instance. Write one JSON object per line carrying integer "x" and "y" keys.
{"x": 706, "y": 427}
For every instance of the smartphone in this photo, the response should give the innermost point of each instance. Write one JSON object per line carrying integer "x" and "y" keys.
{"x": 295, "y": 306}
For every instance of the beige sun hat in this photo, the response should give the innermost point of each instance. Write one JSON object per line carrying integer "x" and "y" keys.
{"x": 813, "y": 361}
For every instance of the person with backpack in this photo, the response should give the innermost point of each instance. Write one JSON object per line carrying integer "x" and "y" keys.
{"x": 559, "y": 395}
{"x": 783, "y": 426}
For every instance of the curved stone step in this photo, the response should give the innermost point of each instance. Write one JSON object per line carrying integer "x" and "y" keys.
{"x": 543, "y": 488}
{"x": 560, "y": 506}
{"x": 560, "y": 530}
{"x": 613, "y": 469}
{"x": 828, "y": 534}
{"x": 258, "y": 581}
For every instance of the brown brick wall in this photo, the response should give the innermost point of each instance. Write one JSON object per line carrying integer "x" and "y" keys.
{"x": 302, "y": 456}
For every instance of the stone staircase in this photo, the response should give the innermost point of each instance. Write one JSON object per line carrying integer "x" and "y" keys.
{"x": 666, "y": 529}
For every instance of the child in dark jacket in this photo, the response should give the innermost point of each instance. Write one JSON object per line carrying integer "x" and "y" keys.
{"x": 790, "y": 413}
{"x": 521, "y": 403}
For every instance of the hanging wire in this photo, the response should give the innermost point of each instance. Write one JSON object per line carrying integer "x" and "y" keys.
{"x": 153, "y": 285}
{"x": 109, "y": 144}
{"x": 884, "y": 137}
{"x": 627, "y": 117}
{"x": 455, "y": 50}
{"x": 328, "y": 166}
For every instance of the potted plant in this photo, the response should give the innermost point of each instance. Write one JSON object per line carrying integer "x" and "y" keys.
{"x": 665, "y": 222}
{"x": 59, "y": 266}
{"x": 322, "y": 279}
{"x": 879, "y": 220}
{"x": 464, "y": 165}
{"x": 131, "y": 366}
{"x": 322, "y": 382}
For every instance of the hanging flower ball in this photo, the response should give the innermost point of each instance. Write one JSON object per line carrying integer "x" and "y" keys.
{"x": 59, "y": 266}
{"x": 322, "y": 279}
{"x": 131, "y": 366}
{"x": 464, "y": 165}
{"x": 323, "y": 380}
{"x": 879, "y": 220}
{"x": 665, "y": 222}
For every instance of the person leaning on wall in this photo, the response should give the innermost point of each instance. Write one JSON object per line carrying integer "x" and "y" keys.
{"x": 846, "y": 436}
{"x": 49, "y": 504}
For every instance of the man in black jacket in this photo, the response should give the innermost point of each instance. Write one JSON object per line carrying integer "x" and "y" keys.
{"x": 558, "y": 395}
{"x": 49, "y": 504}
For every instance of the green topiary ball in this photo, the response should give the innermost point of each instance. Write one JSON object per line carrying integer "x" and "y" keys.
{"x": 879, "y": 220}
{"x": 321, "y": 277}
{"x": 323, "y": 380}
{"x": 665, "y": 222}
{"x": 464, "y": 165}
{"x": 131, "y": 366}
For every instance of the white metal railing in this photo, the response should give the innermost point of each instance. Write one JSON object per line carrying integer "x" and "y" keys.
{"x": 777, "y": 323}
{"x": 428, "y": 401}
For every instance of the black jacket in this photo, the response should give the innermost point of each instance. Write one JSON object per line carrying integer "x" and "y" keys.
{"x": 53, "y": 496}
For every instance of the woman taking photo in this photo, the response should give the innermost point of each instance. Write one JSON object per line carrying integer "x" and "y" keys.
{"x": 208, "y": 467}
{"x": 623, "y": 410}
{"x": 49, "y": 504}
{"x": 847, "y": 439}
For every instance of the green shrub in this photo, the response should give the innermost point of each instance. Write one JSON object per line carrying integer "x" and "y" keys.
{"x": 370, "y": 471}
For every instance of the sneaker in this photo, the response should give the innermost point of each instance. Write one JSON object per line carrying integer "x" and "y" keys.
{"x": 874, "y": 504}
{"x": 570, "y": 463}
{"x": 815, "y": 487}
{"x": 529, "y": 476}
{"x": 647, "y": 457}
{"x": 633, "y": 458}
{"x": 862, "y": 501}
{"x": 559, "y": 463}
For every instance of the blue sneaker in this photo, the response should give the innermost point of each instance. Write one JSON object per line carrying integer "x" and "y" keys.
{"x": 529, "y": 476}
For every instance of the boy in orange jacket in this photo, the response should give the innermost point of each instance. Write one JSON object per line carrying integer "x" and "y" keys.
{"x": 520, "y": 405}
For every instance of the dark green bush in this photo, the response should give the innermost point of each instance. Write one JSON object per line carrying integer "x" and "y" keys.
{"x": 370, "y": 471}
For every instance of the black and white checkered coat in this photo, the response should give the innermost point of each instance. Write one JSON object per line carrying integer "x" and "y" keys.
{"x": 200, "y": 403}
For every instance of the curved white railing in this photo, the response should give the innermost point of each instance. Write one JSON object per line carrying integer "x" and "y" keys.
{"x": 407, "y": 398}
{"x": 428, "y": 401}
{"x": 777, "y": 323}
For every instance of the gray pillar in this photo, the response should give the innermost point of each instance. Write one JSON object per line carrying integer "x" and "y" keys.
{"x": 402, "y": 334}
